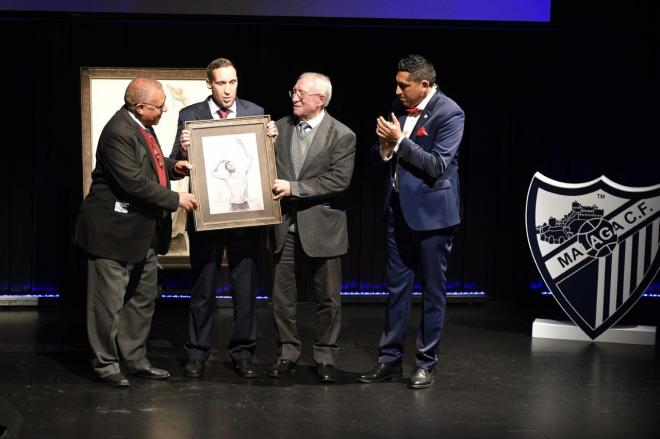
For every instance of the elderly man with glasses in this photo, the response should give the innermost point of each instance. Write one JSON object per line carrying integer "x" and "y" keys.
{"x": 315, "y": 156}
{"x": 123, "y": 223}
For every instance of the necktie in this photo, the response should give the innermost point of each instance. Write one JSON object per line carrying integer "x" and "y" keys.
{"x": 414, "y": 111}
{"x": 223, "y": 113}
{"x": 157, "y": 151}
{"x": 156, "y": 154}
{"x": 303, "y": 127}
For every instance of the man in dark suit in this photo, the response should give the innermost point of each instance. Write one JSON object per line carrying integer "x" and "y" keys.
{"x": 207, "y": 248}
{"x": 420, "y": 145}
{"x": 123, "y": 223}
{"x": 315, "y": 155}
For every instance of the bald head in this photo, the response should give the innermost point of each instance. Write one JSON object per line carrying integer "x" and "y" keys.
{"x": 141, "y": 90}
{"x": 145, "y": 98}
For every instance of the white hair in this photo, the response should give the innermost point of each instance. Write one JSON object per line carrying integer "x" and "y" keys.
{"x": 322, "y": 85}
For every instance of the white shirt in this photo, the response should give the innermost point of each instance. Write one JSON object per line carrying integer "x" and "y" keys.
{"x": 214, "y": 110}
{"x": 315, "y": 121}
{"x": 410, "y": 123}
{"x": 138, "y": 121}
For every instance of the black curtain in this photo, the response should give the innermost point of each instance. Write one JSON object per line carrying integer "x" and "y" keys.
{"x": 573, "y": 99}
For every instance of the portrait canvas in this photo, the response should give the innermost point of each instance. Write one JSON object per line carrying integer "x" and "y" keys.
{"x": 102, "y": 92}
{"x": 234, "y": 182}
{"x": 233, "y": 170}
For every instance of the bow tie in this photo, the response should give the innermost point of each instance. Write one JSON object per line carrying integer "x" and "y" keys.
{"x": 414, "y": 111}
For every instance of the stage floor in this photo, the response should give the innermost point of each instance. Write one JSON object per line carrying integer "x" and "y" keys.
{"x": 493, "y": 381}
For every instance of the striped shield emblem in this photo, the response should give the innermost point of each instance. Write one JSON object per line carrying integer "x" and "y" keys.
{"x": 595, "y": 245}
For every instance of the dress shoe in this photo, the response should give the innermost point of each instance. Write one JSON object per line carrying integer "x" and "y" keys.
{"x": 421, "y": 379}
{"x": 152, "y": 373}
{"x": 194, "y": 368}
{"x": 115, "y": 380}
{"x": 282, "y": 368}
{"x": 245, "y": 368}
{"x": 326, "y": 373}
{"x": 382, "y": 372}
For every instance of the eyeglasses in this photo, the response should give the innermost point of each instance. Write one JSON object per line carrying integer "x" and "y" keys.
{"x": 152, "y": 105}
{"x": 301, "y": 94}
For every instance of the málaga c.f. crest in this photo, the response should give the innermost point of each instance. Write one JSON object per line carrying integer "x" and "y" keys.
{"x": 595, "y": 245}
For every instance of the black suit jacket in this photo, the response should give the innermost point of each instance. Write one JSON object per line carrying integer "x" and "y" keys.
{"x": 126, "y": 206}
{"x": 201, "y": 111}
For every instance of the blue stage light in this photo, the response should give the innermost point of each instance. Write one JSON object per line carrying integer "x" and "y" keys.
{"x": 343, "y": 293}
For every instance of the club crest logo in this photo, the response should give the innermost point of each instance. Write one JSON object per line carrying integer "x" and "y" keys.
{"x": 595, "y": 245}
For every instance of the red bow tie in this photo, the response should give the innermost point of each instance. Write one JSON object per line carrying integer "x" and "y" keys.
{"x": 414, "y": 111}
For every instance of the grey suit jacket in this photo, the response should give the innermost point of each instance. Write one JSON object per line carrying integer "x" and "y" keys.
{"x": 316, "y": 201}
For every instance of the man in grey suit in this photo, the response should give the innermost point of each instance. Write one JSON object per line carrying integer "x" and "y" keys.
{"x": 207, "y": 248}
{"x": 315, "y": 155}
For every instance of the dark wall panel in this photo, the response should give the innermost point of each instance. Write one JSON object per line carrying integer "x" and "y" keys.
{"x": 574, "y": 100}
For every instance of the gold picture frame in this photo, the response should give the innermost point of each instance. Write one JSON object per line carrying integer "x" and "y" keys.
{"x": 233, "y": 170}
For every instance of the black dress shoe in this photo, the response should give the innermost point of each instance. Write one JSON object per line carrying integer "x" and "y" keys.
{"x": 382, "y": 372}
{"x": 194, "y": 368}
{"x": 421, "y": 379}
{"x": 152, "y": 373}
{"x": 326, "y": 373}
{"x": 282, "y": 368}
{"x": 115, "y": 380}
{"x": 245, "y": 368}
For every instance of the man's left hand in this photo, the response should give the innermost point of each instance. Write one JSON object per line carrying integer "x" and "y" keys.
{"x": 182, "y": 167}
{"x": 281, "y": 189}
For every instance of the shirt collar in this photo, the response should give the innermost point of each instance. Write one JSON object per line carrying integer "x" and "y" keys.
{"x": 422, "y": 105}
{"x": 316, "y": 120}
{"x": 214, "y": 107}
{"x": 137, "y": 120}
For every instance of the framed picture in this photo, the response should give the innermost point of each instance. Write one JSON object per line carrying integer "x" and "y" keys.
{"x": 102, "y": 94}
{"x": 233, "y": 170}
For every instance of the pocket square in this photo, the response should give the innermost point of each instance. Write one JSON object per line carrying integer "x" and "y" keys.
{"x": 421, "y": 132}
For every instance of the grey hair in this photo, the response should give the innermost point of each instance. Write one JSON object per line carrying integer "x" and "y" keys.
{"x": 322, "y": 85}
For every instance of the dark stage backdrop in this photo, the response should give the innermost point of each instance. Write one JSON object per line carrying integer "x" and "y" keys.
{"x": 574, "y": 99}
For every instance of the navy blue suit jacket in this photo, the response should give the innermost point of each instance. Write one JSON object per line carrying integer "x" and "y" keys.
{"x": 201, "y": 111}
{"x": 427, "y": 166}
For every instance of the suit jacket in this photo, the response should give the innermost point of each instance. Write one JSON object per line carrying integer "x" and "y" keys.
{"x": 427, "y": 166}
{"x": 201, "y": 111}
{"x": 316, "y": 200}
{"x": 125, "y": 173}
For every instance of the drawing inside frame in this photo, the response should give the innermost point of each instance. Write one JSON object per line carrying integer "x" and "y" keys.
{"x": 233, "y": 170}
{"x": 102, "y": 93}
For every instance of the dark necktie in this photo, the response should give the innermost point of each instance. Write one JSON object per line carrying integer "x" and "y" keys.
{"x": 223, "y": 113}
